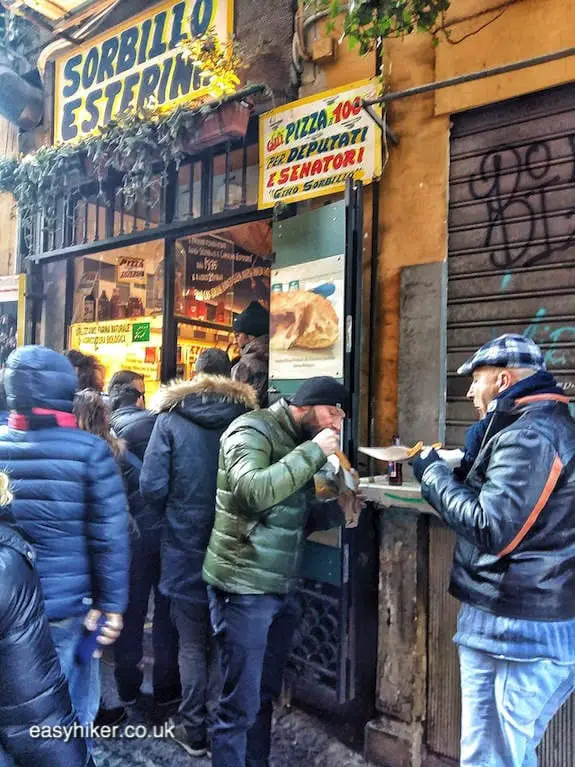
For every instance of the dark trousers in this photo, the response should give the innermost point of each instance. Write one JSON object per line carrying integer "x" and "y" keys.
{"x": 199, "y": 667}
{"x": 254, "y": 635}
{"x": 129, "y": 648}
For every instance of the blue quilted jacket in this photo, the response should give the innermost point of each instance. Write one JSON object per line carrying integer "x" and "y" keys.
{"x": 69, "y": 499}
{"x": 33, "y": 690}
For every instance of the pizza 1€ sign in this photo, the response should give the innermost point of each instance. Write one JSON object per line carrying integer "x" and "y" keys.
{"x": 311, "y": 147}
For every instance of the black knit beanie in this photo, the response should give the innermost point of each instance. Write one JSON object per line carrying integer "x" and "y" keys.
{"x": 321, "y": 390}
{"x": 253, "y": 321}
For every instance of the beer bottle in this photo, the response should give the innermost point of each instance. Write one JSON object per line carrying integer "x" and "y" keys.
{"x": 395, "y": 468}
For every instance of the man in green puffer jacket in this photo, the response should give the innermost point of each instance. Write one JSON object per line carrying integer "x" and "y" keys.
{"x": 268, "y": 459}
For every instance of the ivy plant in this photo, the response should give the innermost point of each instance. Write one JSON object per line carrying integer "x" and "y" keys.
{"x": 131, "y": 146}
{"x": 367, "y": 22}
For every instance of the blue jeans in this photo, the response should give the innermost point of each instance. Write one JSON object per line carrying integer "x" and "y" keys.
{"x": 199, "y": 667}
{"x": 129, "y": 648}
{"x": 83, "y": 681}
{"x": 254, "y": 635}
{"x": 506, "y": 707}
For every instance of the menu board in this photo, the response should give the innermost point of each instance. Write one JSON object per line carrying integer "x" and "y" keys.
{"x": 216, "y": 280}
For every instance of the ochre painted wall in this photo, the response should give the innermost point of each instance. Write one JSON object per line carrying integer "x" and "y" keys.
{"x": 414, "y": 187}
{"x": 526, "y": 29}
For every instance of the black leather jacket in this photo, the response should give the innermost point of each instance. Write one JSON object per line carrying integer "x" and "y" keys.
{"x": 514, "y": 515}
{"x": 33, "y": 690}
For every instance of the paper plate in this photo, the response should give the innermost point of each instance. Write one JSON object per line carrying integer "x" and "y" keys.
{"x": 396, "y": 453}
{"x": 392, "y": 453}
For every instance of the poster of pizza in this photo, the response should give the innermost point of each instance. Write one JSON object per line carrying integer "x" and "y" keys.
{"x": 307, "y": 319}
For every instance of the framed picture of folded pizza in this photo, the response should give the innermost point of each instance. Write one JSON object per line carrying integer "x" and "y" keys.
{"x": 307, "y": 319}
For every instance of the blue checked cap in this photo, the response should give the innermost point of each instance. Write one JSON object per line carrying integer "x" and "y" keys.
{"x": 507, "y": 351}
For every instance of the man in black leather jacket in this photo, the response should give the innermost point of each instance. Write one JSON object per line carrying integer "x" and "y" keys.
{"x": 33, "y": 691}
{"x": 513, "y": 510}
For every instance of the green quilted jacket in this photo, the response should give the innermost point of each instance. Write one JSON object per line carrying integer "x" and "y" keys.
{"x": 264, "y": 483}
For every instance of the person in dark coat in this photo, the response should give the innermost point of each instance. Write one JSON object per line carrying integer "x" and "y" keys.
{"x": 129, "y": 417}
{"x": 125, "y": 376}
{"x": 251, "y": 330}
{"x": 33, "y": 690}
{"x": 71, "y": 506}
{"x": 133, "y": 424}
{"x": 179, "y": 478}
{"x": 3, "y": 403}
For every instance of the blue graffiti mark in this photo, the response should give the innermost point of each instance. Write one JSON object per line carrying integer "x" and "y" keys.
{"x": 543, "y": 334}
{"x": 533, "y": 328}
{"x": 505, "y": 280}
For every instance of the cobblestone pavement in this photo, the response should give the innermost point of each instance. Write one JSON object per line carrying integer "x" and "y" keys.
{"x": 299, "y": 740}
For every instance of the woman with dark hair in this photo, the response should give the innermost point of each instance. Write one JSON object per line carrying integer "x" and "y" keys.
{"x": 92, "y": 415}
{"x": 33, "y": 690}
{"x": 89, "y": 370}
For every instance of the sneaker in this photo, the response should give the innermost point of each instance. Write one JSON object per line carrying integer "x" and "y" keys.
{"x": 196, "y": 748}
{"x": 109, "y": 717}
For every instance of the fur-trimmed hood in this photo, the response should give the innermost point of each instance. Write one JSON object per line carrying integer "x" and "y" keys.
{"x": 209, "y": 401}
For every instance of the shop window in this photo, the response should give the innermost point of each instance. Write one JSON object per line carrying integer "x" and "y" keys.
{"x": 217, "y": 275}
{"x": 235, "y": 179}
{"x": 53, "y": 327}
{"x": 117, "y": 311}
{"x": 8, "y": 329}
{"x": 146, "y": 212}
{"x": 89, "y": 222}
{"x": 189, "y": 191}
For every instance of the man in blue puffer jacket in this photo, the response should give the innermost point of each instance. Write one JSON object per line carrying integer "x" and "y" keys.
{"x": 71, "y": 506}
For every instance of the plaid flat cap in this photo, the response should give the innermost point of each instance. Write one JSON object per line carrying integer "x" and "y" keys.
{"x": 507, "y": 351}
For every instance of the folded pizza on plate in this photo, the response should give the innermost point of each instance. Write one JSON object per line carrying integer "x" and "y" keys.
{"x": 303, "y": 320}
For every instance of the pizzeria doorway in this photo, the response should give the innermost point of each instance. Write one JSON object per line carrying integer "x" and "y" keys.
{"x": 316, "y": 329}
{"x": 215, "y": 276}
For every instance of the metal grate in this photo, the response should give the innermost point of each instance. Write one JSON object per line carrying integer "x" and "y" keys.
{"x": 91, "y": 215}
{"x": 511, "y": 236}
{"x": 443, "y": 693}
{"x": 316, "y": 643}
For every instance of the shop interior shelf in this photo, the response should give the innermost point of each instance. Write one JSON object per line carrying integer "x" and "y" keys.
{"x": 203, "y": 323}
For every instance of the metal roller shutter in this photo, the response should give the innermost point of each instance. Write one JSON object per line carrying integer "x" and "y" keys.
{"x": 510, "y": 270}
{"x": 511, "y": 236}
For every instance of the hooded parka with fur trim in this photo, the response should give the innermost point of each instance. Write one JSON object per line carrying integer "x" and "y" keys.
{"x": 179, "y": 474}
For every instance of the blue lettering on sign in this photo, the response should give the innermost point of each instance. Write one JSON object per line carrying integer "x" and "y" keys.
{"x": 202, "y": 17}
{"x": 93, "y": 89}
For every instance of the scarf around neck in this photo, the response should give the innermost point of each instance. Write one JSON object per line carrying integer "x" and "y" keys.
{"x": 541, "y": 382}
{"x": 41, "y": 418}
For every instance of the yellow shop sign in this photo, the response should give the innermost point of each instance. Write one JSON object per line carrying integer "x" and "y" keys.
{"x": 122, "y": 69}
{"x": 123, "y": 332}
{"x": 312, "y": 146}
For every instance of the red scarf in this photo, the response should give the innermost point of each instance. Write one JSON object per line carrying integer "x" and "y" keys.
{"x": 20, "y": 421}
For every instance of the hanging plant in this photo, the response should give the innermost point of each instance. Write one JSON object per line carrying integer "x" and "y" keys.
{"x": 367, "y": 22}
{"x": 132, "y": 145}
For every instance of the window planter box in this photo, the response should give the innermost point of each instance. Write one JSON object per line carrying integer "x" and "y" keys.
{"x": 228, "y": 122}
